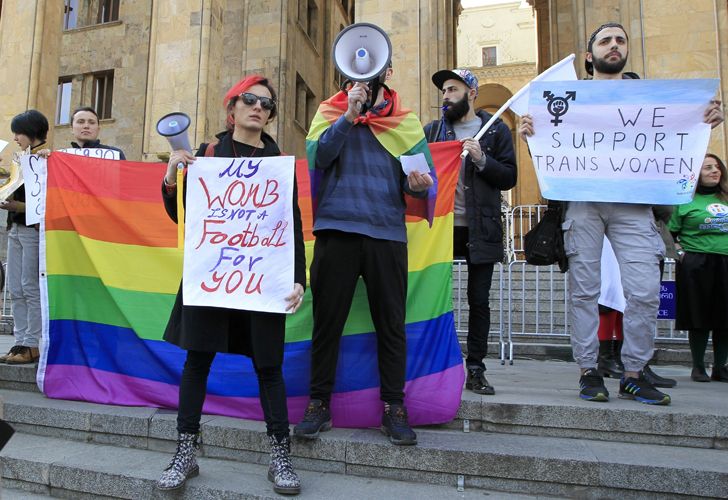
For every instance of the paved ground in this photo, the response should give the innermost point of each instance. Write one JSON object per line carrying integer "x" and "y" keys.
{"x": 557, "y": 382}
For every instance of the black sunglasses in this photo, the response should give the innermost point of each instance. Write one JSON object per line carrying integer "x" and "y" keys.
{"x": 265, "y": 102}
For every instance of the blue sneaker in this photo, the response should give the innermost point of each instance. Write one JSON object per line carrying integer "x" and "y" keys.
{"x": 592, "y": 386}
{"x": 640, "y": 389}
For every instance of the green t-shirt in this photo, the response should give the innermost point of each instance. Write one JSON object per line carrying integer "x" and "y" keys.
{"x": 702, "y": 224}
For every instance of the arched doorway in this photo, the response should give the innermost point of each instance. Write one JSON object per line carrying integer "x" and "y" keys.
{"x": 491, "y": 96}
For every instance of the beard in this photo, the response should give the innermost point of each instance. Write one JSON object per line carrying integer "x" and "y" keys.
{"x": 456, "y": 110}
{"x": 609, "y": 68}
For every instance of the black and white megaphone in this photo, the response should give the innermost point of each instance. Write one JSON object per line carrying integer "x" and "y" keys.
{"x": 174, "y": 128}
{"x": 362, "y": 52}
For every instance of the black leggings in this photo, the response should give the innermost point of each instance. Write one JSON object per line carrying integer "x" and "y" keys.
{"x": 193, "y": 388}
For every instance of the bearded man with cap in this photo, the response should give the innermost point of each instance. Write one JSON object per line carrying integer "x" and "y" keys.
{"x": 631, "y": 230}
{"x": 488, "y": 169}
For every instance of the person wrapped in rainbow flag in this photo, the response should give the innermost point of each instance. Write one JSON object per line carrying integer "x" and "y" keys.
{"x": 358, "y": 192}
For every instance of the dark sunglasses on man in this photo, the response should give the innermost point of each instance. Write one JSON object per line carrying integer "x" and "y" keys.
{"x": 265, "y": 102}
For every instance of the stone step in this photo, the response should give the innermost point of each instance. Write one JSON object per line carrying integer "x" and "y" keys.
{"x": 363, "y": 464}
{"x": 84, "y": 470}
{"x": 533, "y": 397}
{"x": 18, "y": 377}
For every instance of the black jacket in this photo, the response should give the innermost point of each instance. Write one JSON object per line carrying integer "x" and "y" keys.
{"x": 97, "y": 144}
{"x": 258, "y": 335}
{"x": 483, "y": 188}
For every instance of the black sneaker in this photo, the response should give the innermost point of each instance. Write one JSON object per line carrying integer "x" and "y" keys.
{"x": 656, "y": 380}
{"x": 698, "y": 375}
{"x": 477, "y": 382}
{"x": 394, "y": 425}
{"x": 719, "y": 373}
{"x": 316, "y": 419}
{"x": 640, "y": 389}
{"x": 592, "y": 386}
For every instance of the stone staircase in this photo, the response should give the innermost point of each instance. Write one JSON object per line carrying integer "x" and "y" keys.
{"x": 535, "y": 438}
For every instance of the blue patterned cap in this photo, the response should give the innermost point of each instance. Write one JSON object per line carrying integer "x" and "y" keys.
{"x": 464, "y": 75}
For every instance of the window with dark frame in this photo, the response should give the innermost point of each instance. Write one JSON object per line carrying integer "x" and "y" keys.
{"x": 108, "y": 11}
{"x": 348, "y": 7}
{"x": 308, "y": 18}
{"x": 63, "y": 101}
{"x": 103, "y": 93}
{"x": 70, "y": 14}
{"x": 306, "y": 103}
{"x": 312, "y": 14}
{"x": 490, "y": 56}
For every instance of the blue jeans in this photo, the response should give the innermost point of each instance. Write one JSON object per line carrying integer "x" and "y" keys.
{"x": 23, "y": 284}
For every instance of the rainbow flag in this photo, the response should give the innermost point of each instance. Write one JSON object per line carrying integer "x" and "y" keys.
{"x": 397, "y": 129}
{"x": 112, "y": 269}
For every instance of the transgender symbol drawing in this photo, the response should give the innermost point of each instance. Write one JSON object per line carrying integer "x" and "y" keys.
{"x": 558, "y": 106}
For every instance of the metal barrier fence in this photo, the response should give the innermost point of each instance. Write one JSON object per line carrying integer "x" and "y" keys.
{"x": 530, "y": 301}
{"x": 6, "y": 316}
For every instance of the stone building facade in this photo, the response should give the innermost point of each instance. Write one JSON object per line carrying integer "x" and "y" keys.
{"x": 498, "y": 44}
{"x": 139, "y": 60}
{"x": 668, "y": 39}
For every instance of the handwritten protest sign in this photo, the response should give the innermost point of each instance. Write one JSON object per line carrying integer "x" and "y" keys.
{"x": 11, "y": 177}
{"x": 629, "y": 141}
{"x": 239, "y": 233}
{"x": 35, "y": 174}
{"x": 104, "y": 154}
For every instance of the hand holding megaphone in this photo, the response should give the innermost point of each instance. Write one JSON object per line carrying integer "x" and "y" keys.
{"x": 177, "y": 159}
{"x": 358, "y": 94}
{"x": 173, "y": 127}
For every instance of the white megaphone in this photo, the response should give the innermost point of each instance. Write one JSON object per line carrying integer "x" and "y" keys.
{"x": 174, "y": 128}
{"x": 362, "y": 52}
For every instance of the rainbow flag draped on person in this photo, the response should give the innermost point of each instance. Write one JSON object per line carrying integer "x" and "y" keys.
{"x": 397, "y": 129}
{"x": 112, "y": 269}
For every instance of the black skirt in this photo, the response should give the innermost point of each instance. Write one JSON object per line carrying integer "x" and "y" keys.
{"x": 258, "y": 335}
{"x": 701, "y": 280}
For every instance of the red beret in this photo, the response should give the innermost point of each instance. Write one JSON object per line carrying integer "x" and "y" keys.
{"x": 242, "y": 86}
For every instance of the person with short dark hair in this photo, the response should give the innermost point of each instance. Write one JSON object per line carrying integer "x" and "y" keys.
{"x": 86, "y": 127}
{"x": 488, "y": 169}
{"x": 700, "y": 229}
{"x": 638, "y": 246}
{"x": 30, "y": 129}
{"x": 205, "y": 331}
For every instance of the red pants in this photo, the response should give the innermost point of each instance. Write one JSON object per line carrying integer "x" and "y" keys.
{"x": 610, "y": 325}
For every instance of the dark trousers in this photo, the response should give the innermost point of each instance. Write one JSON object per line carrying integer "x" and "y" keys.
{"x": 479, "y": 280}
{"x": 338, "y": 261}
{"x": 193, "y": 387}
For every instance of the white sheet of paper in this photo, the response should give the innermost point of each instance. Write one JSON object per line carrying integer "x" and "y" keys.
{"x": 239, "y": 233}
{"x": 414, "y": 163}
{"x": 3, "y": 144}
{"x": 35, "y": 173}
{"x": 104, "y": 154}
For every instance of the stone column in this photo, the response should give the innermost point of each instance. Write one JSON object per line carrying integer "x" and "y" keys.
{"x": 423, "y": 41}
{"x": 30, "y": 38}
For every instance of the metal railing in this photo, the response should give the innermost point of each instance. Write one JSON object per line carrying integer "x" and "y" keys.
{"x": 6, "y": 315}
{"x": 536, "y": 304}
